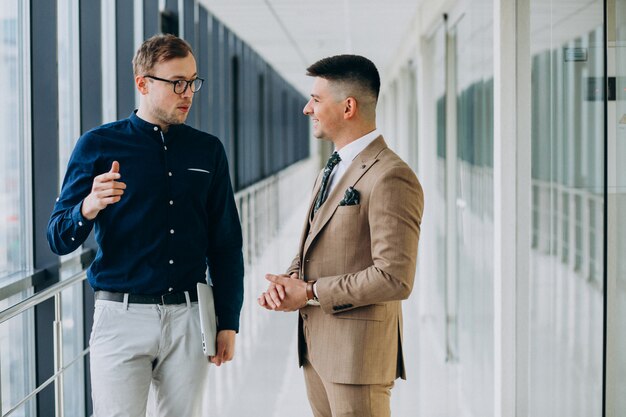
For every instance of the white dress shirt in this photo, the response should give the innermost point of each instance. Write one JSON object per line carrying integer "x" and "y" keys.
{"x": 347, "y": 155}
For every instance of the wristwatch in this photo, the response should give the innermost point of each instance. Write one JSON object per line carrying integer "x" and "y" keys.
{"x": 311, "y": 298}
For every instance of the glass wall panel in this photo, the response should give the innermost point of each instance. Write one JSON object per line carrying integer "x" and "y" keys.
{"x": 12, "y": 140}
{"x": 72, "y": 323}
{"x": 616, "y": 355}
{"x": 437, "y": 49}
{"x": 17, "y": 367}
{"x": 69, "y": 77}
{"x": 474, "y": 207}
{"x": 566, "y": 286}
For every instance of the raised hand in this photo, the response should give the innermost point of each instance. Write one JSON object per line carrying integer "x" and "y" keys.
{"x": 105, "y": 190}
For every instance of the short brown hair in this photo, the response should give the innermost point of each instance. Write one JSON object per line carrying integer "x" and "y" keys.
{"x": 159, "y": 48}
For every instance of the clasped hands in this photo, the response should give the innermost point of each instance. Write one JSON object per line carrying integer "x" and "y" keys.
{"x": 285, "y": 293}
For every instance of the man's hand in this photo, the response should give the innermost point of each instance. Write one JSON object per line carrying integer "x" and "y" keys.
{"x": 104, "y": 191}
{"x": 285, "y": 293}
{"x": 225, "y": 347}
{"x": 275, "y": 294}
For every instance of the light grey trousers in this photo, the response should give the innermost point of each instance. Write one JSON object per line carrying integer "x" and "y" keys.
{"x": 136, "y": 346}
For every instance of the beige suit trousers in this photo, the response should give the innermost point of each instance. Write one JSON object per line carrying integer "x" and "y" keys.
{"x": 329, "y": 399}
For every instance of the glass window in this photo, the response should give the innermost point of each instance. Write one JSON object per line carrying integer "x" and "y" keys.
{"x": 69, "y": 132}
{"x": 474, "y": 206}
{"x": 13, "y": 140}
{"x": 72, "y": 322}
{"x": 437, "y": 99}
{"x": 69, "y": 81}
{"x": 566, "y": 302}
{"x": 616, "y": 223}
{"x": 17, "y": 344}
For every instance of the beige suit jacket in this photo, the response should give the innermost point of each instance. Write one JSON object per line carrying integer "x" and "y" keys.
{"x": 363, "y": 258}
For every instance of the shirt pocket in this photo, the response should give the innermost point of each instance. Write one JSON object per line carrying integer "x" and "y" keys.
{"x": 196, "y": 180}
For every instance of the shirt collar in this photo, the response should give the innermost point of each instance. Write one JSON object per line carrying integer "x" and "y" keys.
{"x": 351, "y": 150}
{"x": 141, "y": 124}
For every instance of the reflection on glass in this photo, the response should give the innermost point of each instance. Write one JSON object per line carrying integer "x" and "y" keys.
{"x": 17, "y": 378}
{"x": 11, "y": 141}
{"x": 566, "y": 299}
{"x": 69, "y": 99}
{"x": 438, "y": 51}
{"x": 616, "y": 384}
{"x": 72, "y": 320}
{"x": 474, "y": 206}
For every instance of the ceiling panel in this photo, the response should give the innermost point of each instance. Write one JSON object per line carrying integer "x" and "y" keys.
{"x": 292, "y": 34}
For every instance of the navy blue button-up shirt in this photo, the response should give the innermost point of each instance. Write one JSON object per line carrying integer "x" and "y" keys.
{"x": 177, "y": 215}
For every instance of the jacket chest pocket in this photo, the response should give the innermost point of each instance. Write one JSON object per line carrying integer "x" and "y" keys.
{"x": 346, "y": 224}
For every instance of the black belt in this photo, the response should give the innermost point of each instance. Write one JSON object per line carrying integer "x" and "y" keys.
{"x": 170, "y": 298}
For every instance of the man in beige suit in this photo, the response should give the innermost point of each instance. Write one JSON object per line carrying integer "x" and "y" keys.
{"x": 356, "y": 259}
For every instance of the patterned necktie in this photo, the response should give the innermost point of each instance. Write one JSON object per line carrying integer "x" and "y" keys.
{"x": 330, "y": 165}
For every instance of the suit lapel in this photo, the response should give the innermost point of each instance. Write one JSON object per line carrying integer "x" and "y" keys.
{"x": 316, "y": 190}
{"x": 359, "y": 166}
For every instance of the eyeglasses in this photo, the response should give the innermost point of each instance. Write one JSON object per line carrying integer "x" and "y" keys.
{"x": 180, "y": 86}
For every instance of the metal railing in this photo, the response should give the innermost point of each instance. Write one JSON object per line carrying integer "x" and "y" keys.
{"x": 261, "y": 218}
{"x": 59, "y": 368}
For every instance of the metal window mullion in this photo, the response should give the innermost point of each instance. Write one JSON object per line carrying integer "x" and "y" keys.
{"x": 512, "y": 206}
{"x": 451, "y": 298}
{"x": 26, "y": 175}
{"x": 25, "y": 133}
{"x": 109, "y": 62}
{"x": 138, "y": 34}
{"x": 58, "y": 355}
{"x": 181, "y": 19}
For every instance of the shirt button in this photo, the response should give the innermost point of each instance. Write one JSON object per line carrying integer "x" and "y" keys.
{"x": 72, "y": 239}
{"x": 171, "y": 261}
{"x": 171, "y": 202}
{"x": 156, "y": 129}
{"x": 170, "y": 289}
{"x": 57, "y": 199}
{"x": 165, "y": 147}
{"x": 172, "y": 231}
{"x": 169, "y": 173}
{"x": 80, "y": 223}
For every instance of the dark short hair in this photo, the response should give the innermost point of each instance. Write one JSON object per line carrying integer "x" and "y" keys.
{"x": 354, "y": 69}
{"x": 159, "y": 48}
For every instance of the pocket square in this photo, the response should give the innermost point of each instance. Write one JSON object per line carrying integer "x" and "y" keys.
{"x": 350, "y": 198}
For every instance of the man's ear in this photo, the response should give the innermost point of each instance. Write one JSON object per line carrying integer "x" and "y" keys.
{"x": 350, "y": 108}
{"x": 142, "y": 84}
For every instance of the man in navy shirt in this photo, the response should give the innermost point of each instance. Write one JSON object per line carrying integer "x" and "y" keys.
{"x": 159, "y": 196}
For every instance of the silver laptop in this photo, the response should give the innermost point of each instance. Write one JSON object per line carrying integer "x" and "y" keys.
{"x": 208, "y": 324}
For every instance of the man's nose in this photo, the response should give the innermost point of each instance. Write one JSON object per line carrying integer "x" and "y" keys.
{"x": 307, "y": 109}
{"x": 187, "y": 92}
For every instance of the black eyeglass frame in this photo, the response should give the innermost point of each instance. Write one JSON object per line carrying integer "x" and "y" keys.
{"x": 188, "y": 83}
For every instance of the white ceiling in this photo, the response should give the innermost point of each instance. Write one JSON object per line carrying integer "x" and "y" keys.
{"x": 293, "y": 34}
